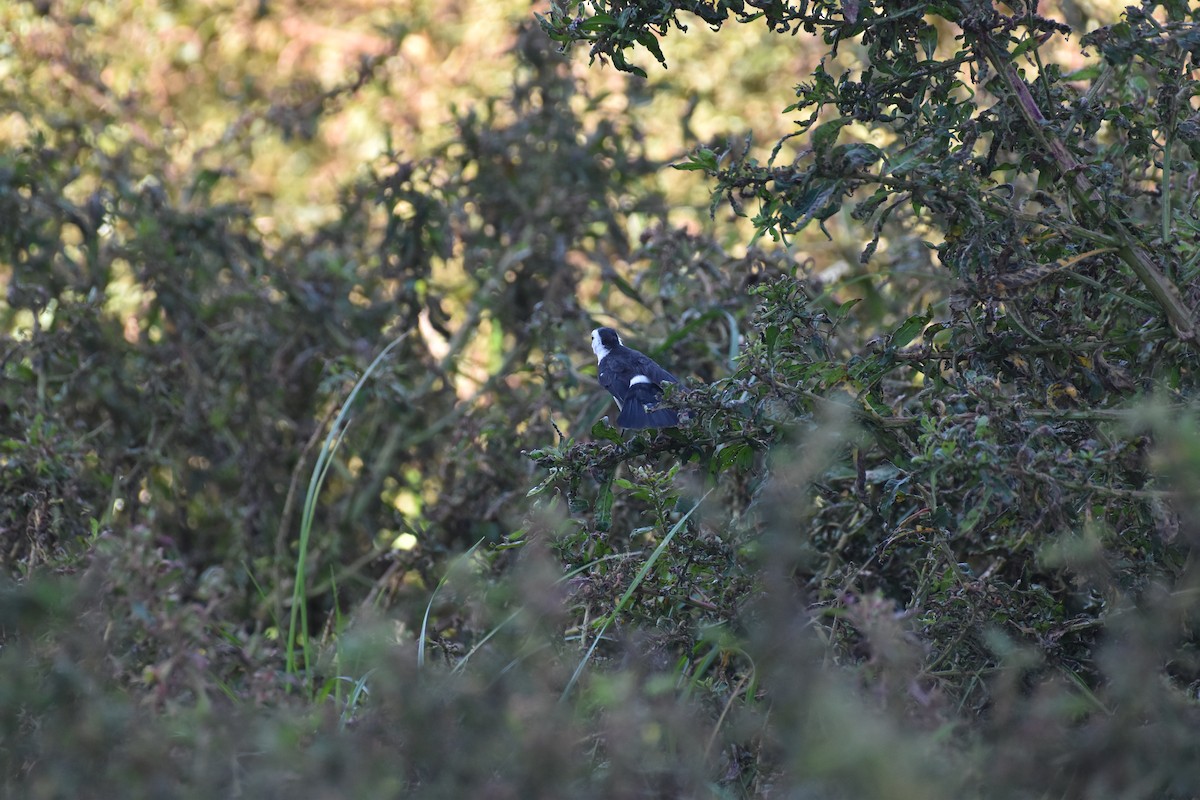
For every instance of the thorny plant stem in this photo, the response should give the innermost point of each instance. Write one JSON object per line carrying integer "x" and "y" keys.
{"x": 1130, "y": 250}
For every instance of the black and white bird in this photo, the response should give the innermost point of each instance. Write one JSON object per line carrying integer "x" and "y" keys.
{"x": 634, "y": 381}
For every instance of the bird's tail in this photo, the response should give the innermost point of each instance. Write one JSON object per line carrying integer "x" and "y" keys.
{"x": 641, "y": 409}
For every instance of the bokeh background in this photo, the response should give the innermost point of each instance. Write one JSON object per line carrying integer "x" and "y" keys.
{"x": 214, "y": 216}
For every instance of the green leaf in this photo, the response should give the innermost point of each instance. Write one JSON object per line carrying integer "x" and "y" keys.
{"x": 910, "y": 330}
{"x": 842, "y": 310}
{"x": 929, "y": 40}
{"x": 704, "y": 159}
{"x": 856, "y": 156}
{"x": 602, "y": 430}
{"x": 604, "y": 504}
{"x": 878, "y": 406}
{"x": 893, "y": 490}
{"x": 729, "y": 454}
{"x": 833, "y": 375}
{"x": 599, "y": 22}
{"x": 650, "y": 42}
{"x": 819, "y": 201}
{"x": 770, "y": 335}
{"x": 868, "y": 207}
{"x": 1088, "y": 73}
{"x": 827, "y": 132}
{"x": 975, "y": 513}
{"x": 625, "y": 287}
{"x": 1025, "y": 46}
{"x": 910, "y": 156}
{"x": 621, "y": 63}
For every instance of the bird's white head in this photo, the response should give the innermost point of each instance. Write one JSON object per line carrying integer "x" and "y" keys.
{"x": 603, "y": 342}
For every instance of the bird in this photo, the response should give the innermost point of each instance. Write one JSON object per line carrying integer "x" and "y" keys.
{"x": 634, "y": 380}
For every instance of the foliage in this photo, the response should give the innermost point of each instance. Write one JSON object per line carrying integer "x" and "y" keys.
{"x": 994, "y": 488}
{"x": 925, "y": 531}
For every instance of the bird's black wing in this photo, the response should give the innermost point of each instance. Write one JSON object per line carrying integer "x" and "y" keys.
{"x": 611, "y": 380}
{"x": 643, "y": 391}
{"x": 646, "y": 366}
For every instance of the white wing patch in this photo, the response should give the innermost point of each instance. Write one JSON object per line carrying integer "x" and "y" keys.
{"x": 636, "y": 379}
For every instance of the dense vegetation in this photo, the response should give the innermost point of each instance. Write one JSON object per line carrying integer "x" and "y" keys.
{"x": 307, "y": 484}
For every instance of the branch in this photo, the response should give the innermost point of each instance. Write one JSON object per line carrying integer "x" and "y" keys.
{"x": 1130, "y": 250}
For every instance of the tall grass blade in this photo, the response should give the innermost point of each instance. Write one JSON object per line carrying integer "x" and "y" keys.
{"x": 337, "y": 431}
{"x": 637, "y": 581}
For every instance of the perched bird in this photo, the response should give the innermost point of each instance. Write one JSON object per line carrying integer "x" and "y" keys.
{"x": 634, "y": 381}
